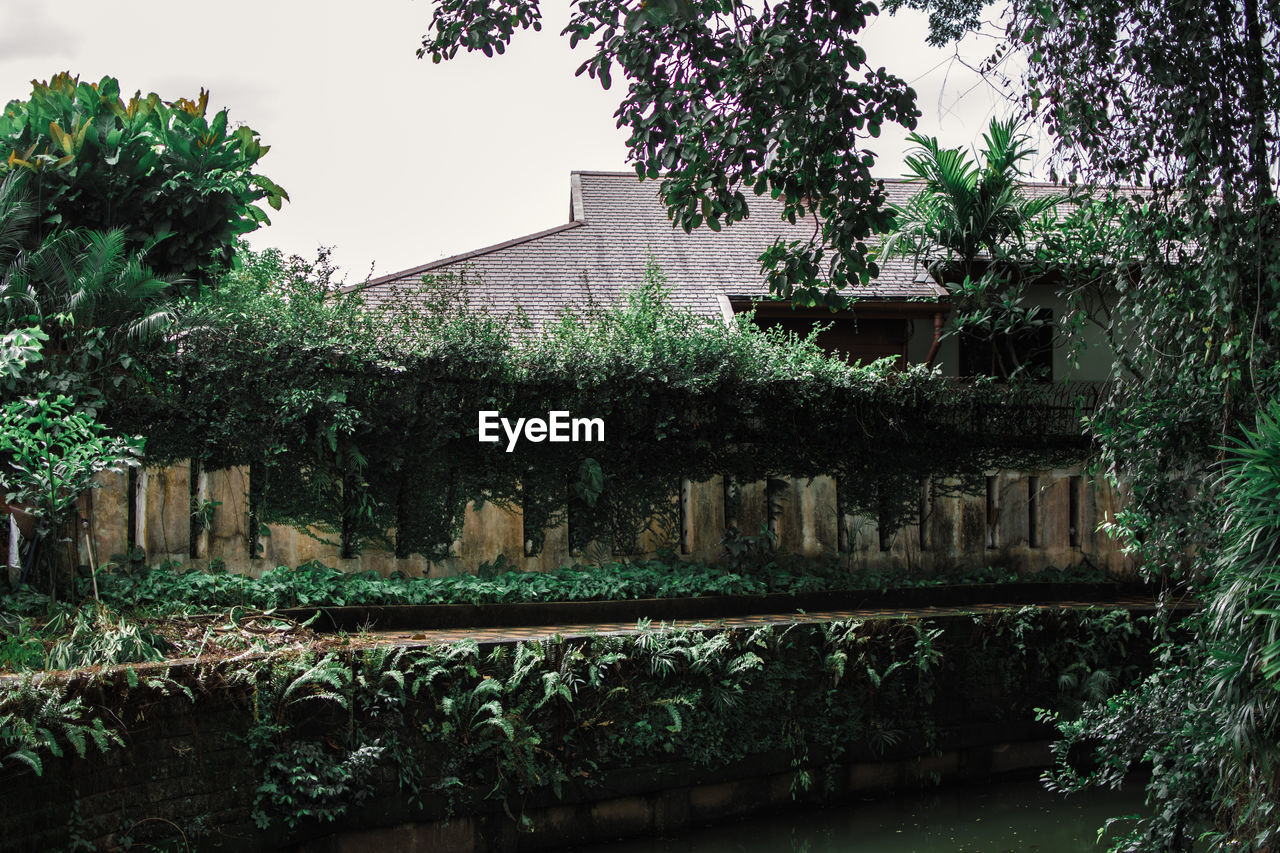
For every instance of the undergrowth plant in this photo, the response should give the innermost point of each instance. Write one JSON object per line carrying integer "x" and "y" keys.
{"x": 1207, "y": 723}
{"x": 166, "y": 589}
{"x": 94, "y": 637}
{"x": 504, "y": 723}
{"x": 458, "y": 729}
{"x": 40, "y": 717}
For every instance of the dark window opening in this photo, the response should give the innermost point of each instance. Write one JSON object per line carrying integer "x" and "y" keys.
{"x": 577, "y": 521}
{"x": 131, "y": 517}
{"x": 196, "y": 525}
{"x": 686, "y": 520}
{"x": 883, "y": 529}
{"x": 532, "y": 532}
{"x": 775, "y": 490}
{"x": 257, "y": 508}
{"x": 843, "y": 544}
{"x": 1028, "y": 353}
{"x": 923, "y": 512}
{"x": 863, "y": 340}
{"x": 730, "y": 502}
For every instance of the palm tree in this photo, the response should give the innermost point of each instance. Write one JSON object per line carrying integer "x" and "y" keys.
{"x": 973, "y": 227}
{"x": 971, "y": 210}
{"x": 96, "y": 301}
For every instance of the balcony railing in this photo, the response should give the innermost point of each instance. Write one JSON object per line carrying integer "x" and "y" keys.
{"x": 1028, "y": 413}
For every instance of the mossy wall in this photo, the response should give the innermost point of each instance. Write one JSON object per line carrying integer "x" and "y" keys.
{"x": 956, "y": 529}
{"x": 525, "y": 747}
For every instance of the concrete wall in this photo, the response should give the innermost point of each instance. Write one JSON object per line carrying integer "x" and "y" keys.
{"x": 1024, "y": 522}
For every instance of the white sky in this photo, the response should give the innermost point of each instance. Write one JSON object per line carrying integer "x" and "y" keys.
{"x": 393, "y": 160}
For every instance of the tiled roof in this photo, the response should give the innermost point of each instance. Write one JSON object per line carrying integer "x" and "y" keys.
{"x": 617, "y": 225}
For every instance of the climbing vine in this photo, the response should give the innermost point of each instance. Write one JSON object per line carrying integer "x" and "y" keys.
{"x": 363, "y": 420}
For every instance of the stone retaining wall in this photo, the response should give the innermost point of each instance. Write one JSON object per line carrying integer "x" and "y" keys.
{"x": 184, "y": 775}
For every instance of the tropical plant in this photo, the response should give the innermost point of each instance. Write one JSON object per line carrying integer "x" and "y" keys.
{"x": 95, "y": 303}
{"x": 326, "y": 731}
{"x": 41, "y": 716}
{"x": 54, "y": 453}
{"x": 972, "y": 211}
{"x": 19, "y": 348}
{"x": 1242, "y": 635}
{"x": 341, "y": 413}
{"x": 168, "y": 590}
{"x": 1195, "y": 319}
{"x": 975, "y": 228}
{"x": 94, "y": 637}
{"x": 1208, "y": 722}
{"x": 153, "y": 168}
{"x": 101, "y": 307}
{"x": 1133, "y": 94}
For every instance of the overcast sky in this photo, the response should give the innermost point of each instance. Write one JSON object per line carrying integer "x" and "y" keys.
{"x": 392, "y": 160}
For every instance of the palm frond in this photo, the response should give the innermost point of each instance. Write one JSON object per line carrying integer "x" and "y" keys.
{"x": 153, "y": 326}
{"x": 17, "y": 215}
{"x": 969, "y": 203}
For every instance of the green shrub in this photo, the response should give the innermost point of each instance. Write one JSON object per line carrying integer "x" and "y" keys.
{"x": 314, "y": 584}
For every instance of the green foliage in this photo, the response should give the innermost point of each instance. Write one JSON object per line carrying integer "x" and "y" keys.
{"x": 202, "y": 513}
{"x": 507, "y": 723}
{"x": 970, "y": 206}
{"x": 19, "y": 348}
{"x": 973, "y": 227}
{"x": 39, "y": 717}
{"x": 309, "y": 781}
{"x": 312, "y": 584}
{"x": 55, "y": 453}
{"x": 21, "y": 652}
{"x": 1209, "y": 722}
{"x": 155, "y": 168}
{"x": 724, "y": 97}
{"x": 1161, "y": 723}
{"x": 92, "y": 637}
{"x": 92, "y": 302}
{"x": 330, "y": 730}
{"x": 346, "y": 414}
{"x": 1187, "y": 267}
{"x": 304, "y": 779}
{"x": 1184, "y": 277}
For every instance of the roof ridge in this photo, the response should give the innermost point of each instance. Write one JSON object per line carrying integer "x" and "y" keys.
{"x": 465, "y": 256}
{"x": 597, "y": 173}
{"x": 897, "y": 179}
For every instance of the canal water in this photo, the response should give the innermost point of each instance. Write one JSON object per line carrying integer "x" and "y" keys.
{"x": 1010, "y": 817}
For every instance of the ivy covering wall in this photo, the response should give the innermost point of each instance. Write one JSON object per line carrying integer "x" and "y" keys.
{"x": 364, "y": 421}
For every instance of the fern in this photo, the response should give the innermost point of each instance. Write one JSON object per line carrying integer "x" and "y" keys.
{"x": 323, "y": 680}
{"x": 36, "y": 718}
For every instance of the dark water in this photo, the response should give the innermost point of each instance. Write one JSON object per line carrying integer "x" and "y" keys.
{"x": 1016, "y": 817}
